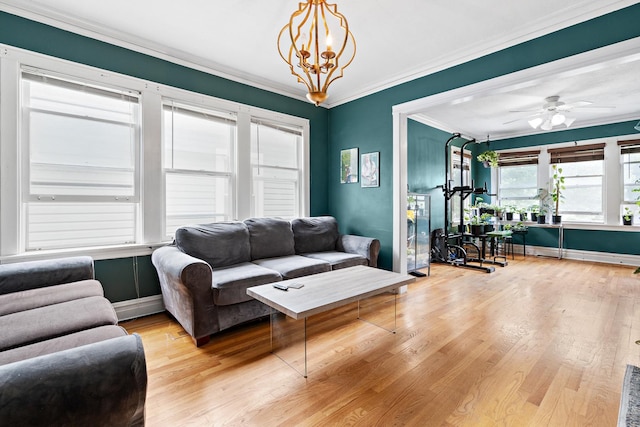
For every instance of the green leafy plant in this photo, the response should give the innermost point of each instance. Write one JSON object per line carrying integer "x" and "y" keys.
{"x": 484, "y": 218}
{"x": 545, "y": 201}
{"x": 489, "y": 158}
{"x": 557, "y": 187}
{"x": 627, "y": 214}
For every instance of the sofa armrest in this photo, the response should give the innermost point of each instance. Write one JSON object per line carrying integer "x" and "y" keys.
{"x": 186, "y": 284}
{"x": 365, "y": 246}
{"x": 104, "y": 383}
{"x": 23, "y": 276}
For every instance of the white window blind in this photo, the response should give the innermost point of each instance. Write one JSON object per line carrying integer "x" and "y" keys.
{"x": 199, "y": 165}
{"x": 275, "y": 162}
{"x": 80, "y": 182}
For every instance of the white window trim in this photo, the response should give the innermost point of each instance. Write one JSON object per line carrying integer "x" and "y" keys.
{"x": 152, "y": 187}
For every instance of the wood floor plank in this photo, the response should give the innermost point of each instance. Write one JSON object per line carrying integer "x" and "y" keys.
{"x": 539, "y": 342}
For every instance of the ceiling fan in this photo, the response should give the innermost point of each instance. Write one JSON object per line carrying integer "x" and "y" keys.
{"x": 554, "y": 113}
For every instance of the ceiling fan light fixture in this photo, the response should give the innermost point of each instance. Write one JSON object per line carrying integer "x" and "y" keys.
{"x": 534, "y": 123}
{"x": 547, "y": 125}
{"x": 557, "y": 119}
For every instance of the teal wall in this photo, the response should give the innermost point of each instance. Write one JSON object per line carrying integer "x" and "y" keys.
{"x": 118, "y": 275}
{"x": 367, "y": 123}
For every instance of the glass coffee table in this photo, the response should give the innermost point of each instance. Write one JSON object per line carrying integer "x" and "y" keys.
{"x": 319, "y": 293}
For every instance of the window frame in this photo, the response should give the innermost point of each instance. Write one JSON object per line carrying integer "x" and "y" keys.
{"x": 230, "y": 175}
{"x": 31, "y": 199}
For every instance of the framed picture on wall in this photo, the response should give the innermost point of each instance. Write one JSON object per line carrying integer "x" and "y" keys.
{"x": 370, "y": 170}
{"x": 349, "y": 165}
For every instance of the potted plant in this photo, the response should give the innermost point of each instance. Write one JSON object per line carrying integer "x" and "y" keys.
{"x": 535, "y": 210}
{"x": 489, "y": 159}
{"x": 545, "y": 205}
{"x": 523, "y": 214}
{"x": 477, "y": 228}
{"x": 627, "y": 216}
{"x": 556, "y": 192}
{"x": 485, "y": 219}
{"x": 509, "y": 210}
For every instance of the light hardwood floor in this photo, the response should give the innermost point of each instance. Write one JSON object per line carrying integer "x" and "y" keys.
{"x": 539, "y": 342}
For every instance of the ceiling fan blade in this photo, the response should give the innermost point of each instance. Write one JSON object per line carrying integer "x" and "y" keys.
{"x": 522, "y": 118}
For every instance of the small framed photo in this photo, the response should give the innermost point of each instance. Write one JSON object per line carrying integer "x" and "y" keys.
{"x": 370, "y": 170}
{"x": 349, "y": 166}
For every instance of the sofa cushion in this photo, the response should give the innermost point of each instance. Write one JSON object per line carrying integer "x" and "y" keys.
{"x": 64, "y": 342}
{"x": 42, "y": 323}
{"x": 270, "y": 237}
{"x": 219, "y": 244}
{"x": 40, "y": 297}
{"x": 293, "y": 266}
{"x": 339, "y": 259}
{"x": 315, "y": 234}
{"x": 230, "y": 283}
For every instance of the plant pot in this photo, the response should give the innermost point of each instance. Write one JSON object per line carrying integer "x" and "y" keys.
{"x": 461, "y": 229}
{"x": 542, "y": 219}
{"x": 486, "y": 164}
{"x": 488, "y": 211}
{"x": 488, "y": 228}
{"x": 534, "y": 217}
{"x": 509, "y": 216}
{"x": 477, "y": 229}
{"x": 627, "y": 221}
{"x": 523, "y": 217}
{"x": 556, "y": 219}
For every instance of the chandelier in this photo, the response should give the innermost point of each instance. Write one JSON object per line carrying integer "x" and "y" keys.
{"x": 313, "y": 44}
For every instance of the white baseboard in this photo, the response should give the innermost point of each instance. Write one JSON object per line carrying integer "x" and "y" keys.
{"x": 140, "y": 307}
{"x": 574, "y": 254}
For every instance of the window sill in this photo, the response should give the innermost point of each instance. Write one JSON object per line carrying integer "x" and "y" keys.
{"x": 96, "y": 252}
{"x": 582, "y": 226}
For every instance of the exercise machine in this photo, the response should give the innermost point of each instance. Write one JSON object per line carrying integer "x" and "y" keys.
{"x": 457, "y": 249}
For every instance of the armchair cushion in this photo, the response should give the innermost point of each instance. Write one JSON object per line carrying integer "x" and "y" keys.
{"x": 38, "y": 324}
{"x": 41, "y": 297}
{"x": 315, "y": 234}
{"x": 270, "y": 237}
{"x": 64, "y": 342}
{"x": 218, "y": 244}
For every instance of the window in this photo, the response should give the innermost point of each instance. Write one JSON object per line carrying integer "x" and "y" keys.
{"x": 275, "y": 164}
{"x": 630, "y": 159}
{"x": 518, "y": 179}
{"x": 199, "y": 162}
{"x": 80, "y": 145}
{"x": 583, "y": 169}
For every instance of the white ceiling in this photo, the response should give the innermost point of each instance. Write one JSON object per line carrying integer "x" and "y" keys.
{"x": 396, "y": 41}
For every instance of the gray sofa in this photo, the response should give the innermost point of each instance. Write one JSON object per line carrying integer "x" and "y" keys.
{"x": 205, "y": 273}
{"x": 63, "y": 359}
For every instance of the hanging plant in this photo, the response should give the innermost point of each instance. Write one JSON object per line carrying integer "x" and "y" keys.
{"x": 489, "y": 159}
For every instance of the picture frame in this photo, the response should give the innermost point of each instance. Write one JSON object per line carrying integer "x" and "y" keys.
{"x": 370, "y": 169}
{"x": 349, "y": 166}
